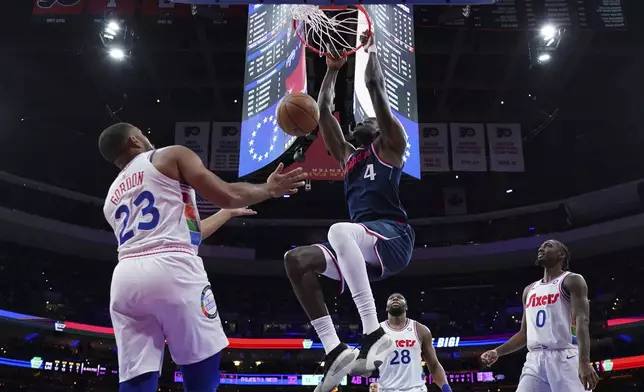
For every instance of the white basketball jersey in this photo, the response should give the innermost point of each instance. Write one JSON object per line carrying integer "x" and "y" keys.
{"x": 148, "y": 210}
{"x": 549, "y": 316}
{"x": 403, "y": 369}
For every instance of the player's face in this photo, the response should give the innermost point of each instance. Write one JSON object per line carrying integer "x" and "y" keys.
{"x": 396, "y": 304}
{"x": 373, "y": 387}
{"x": 366, "y": 131}
{"x": 549, "y": 254}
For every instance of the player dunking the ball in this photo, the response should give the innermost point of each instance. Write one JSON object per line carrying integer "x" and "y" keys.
{"x": 403, "y": 370}
{"x": 557, "y": 360}
{"x": 160, "y": 291}
{"x": 377, "y": 242}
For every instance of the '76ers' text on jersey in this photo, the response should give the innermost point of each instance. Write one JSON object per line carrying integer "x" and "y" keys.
{"x": 549, "y": 316}
{"x": 371, "y": 187}
{"x": 403, "y": 369}
{"x": 148, "y": 210}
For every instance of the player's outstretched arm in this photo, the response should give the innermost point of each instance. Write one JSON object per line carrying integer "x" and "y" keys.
{"x": 576, "y": 286}
{"x": 331, "y": 131}
{"x": 392, "y": 132}
{"x": 515, "y": 343}
{"x": 429, "y": 355}
{"x": 182, "y": 164}
{"x": 214, "y": 222}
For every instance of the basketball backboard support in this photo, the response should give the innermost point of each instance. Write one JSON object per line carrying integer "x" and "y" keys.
{"x": 339, "y": 2}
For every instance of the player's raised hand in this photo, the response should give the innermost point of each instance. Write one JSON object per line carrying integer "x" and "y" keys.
{"x": 335, "y": 60}
{"x": 587, "y": 376}
{"x": 489, "y": 357}
{"x": 241, "y": 211}
{"x": 280, "y": 184}
{"x": 367, "y": 40}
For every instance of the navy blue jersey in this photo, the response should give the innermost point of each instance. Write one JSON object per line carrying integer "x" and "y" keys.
{"x": 371, "y": 187}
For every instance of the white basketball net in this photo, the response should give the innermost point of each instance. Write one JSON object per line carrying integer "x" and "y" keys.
{"x": 323, "y": 31}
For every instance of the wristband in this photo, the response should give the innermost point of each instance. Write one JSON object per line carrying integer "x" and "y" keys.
{"x": 372, "y": 49}
{"x": 446, "y": 388}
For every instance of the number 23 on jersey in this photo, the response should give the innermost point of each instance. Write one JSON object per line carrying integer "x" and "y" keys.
{"x": 149, "y": 212}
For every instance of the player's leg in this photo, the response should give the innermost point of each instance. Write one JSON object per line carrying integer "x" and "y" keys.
{"x": 303, "y": 264}
{"x": 191, "y": 323}
{"x": 139, "y": 337}
{"x": 355, "y": 248}
{"x": 533, "y": 376}
{"x": 562, "y": 368}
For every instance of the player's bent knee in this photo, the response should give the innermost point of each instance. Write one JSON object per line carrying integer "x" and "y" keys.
{"x": 304, "y": 259}
{"x": 343, "y": 231}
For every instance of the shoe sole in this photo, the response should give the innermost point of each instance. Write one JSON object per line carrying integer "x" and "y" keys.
{"x": 363, "y": 366}
{"x": 338, "y": 370}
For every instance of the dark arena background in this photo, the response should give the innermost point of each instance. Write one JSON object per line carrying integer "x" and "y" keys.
{"x": 524, "y": 121}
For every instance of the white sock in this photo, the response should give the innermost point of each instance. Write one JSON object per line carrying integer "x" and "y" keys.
{"x": 347, "y": 239}
{"x": 326, "y": 332}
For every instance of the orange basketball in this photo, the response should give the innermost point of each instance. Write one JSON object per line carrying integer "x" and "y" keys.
{"x": 298, "y": 114}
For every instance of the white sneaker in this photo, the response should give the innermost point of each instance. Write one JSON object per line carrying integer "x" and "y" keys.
{"x": 337, "y": 365}
{"x": 376, "y": 347}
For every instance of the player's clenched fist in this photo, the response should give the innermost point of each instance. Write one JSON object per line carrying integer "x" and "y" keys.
{"x": 489, "y": 357}
{"x": 280, "y": 184}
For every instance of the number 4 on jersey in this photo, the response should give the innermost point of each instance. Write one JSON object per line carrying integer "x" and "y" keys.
{"x": 369, "y": 172}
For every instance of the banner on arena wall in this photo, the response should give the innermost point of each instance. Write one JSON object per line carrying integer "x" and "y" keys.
{"x": 506, "y": 147}
{"x": 164, "y": 11}
{"x": 455, "y": 201}
{"x": 468, "y": 147}
{"x": 319, "y": 163}
{"x": 434, "y": 154}
{"x": 57, "y": 11}
{"x": 102, "y": 10}
{"x": 195, "y": 136}
{"x": 224, "y": 146}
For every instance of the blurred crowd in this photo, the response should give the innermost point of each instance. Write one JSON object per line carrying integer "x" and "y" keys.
{"x": 63, "y": 287}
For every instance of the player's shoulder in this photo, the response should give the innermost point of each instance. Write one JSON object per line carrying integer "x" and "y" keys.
{"x": 570, "y": 274}
{"x": 420, "y": 328}
{"x": 573, "y": 279}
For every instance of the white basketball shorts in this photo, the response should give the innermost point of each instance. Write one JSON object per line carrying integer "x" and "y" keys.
{"x": 163, "y": 295}
{"x": 551, "y": 371}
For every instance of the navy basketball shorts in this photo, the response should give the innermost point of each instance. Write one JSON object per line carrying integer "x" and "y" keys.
{"x": 387, "y": 247}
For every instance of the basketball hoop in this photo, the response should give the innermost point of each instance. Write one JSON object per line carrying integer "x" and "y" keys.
{"x": 328, "y": 30}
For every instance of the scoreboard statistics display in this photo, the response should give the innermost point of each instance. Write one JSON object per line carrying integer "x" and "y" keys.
{"x": 532, "y": 14}
{"x": 275, "y": 66}
{"x": 393, "y": 28}
{"x": 266, "y": 379}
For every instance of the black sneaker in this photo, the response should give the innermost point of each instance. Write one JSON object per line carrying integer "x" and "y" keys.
{"x": 337, "y": 365}
{"x": 376, "y": 347}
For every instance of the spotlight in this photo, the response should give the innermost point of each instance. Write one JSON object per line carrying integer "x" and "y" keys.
{"x": 509, "y": 191}
{"x": 111, "y": 30}
{"x": 544, "y": 58}
{"x": 548, "y": 32}
{"x": 117, "y": 54}
{"x": 114, "y": 26}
